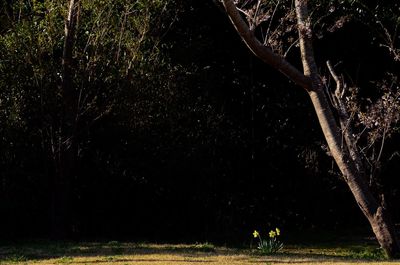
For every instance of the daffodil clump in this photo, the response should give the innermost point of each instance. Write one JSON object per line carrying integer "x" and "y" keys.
{"x": 270, "y": 245}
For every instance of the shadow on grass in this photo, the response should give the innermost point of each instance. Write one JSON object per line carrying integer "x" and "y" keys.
{"x": 64, "y": 251}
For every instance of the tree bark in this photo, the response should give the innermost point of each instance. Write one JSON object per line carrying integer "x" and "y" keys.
{"x": 376, "y": 214}
{"x": 310, "y": 80}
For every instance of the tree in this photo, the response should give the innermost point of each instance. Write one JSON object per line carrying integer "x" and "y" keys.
{"x": 64, "y": 65}
{"x": 332, "y": 111}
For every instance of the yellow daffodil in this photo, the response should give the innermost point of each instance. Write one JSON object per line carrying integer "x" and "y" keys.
{"x": 272, "y": 234}
{"x": 255, "y": 233}
{"x": 278, "y": 232}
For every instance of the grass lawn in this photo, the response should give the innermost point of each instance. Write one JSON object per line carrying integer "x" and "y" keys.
{"x": 169, "y": 254}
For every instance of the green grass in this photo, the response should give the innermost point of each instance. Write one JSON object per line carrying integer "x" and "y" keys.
{"x": 43, "y": 253}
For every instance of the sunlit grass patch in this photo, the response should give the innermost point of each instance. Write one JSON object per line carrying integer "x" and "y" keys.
{"x": 121, "y": 253}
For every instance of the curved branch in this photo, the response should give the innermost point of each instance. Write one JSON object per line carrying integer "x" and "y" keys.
{"x": 263, "y": 52}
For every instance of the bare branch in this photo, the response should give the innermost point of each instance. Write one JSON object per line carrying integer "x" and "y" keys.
{"x": 338, "y": 80}
{"x": 345, "y": 119}
{"x": 270, "y": 22}
{"x": 305, "y": 38}
{"x": 382, "y": 145}
{"x": 290, "y": 47}
{"x": 394, "y": 155}
{"x": 263, "y": 52}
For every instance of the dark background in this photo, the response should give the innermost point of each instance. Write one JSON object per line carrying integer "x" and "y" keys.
{"x": 249, "y": 158}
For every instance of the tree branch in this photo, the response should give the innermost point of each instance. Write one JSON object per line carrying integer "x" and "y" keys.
{"x": 263, "y": 52}
{"x": 305, "y": 38}
{"x": 345, "y": 120}
{"x": 339, "y": 82}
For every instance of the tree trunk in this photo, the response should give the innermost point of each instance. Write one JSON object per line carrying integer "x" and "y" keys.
{"x": 65, "y": 158}
{"x": 378, "y": 218}
{"x": 355, "y": 179}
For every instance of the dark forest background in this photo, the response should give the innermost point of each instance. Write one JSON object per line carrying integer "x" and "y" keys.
{"x": 203, "y": 142}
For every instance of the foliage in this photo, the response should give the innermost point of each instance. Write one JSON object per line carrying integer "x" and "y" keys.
{"x": 119, "y": 66}
{"x": 174, "y": 117}
{"x": 139, "y": 115}
{"x": 367, "y": 253}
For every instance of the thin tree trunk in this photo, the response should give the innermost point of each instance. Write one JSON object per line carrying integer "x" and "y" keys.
{"x": 65, "y": 159}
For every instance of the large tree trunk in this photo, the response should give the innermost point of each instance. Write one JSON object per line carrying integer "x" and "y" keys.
{"x": 344, "y": 155}
{"x": 373, "y": 211}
